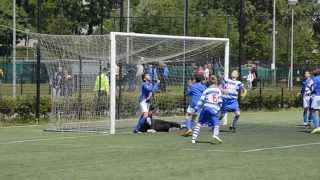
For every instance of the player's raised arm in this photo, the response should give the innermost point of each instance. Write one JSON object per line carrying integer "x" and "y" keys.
{"x": 152, "y": 88}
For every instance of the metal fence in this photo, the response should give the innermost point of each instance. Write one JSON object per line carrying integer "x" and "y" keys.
{"x": 26, "y": 77}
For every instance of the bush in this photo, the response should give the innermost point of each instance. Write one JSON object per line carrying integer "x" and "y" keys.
{"x": 22, "y": 109}
{"x": 7, "y": 106}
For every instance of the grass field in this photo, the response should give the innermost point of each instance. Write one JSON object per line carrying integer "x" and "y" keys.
{"x": 268, "y": 145}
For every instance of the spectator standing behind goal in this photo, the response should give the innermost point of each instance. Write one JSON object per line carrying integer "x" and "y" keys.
{"x": 250, "y": 78}
{"x": 166, "y": 74}
{"x": 102, "y": 83}
{"x": 1, "y": 75}
{"x": 57, "y": 83}
{"x": 153, "y": 73}
{"x": 68, "y": 84}
{"x": 255, "y": 77}
{"x": 139, "y": 73}
{"x": 131, "y": 78}
{"x": 206, "y": 72}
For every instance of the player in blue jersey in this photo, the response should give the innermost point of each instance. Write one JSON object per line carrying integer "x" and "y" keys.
{"x": 147, "y": 90}
{"x": 209, "y": 105}
{"x": 306, "y": 90}
{"x": 315, "y": 104}
{"x": 231, "y": 88}
{"x": 195, "y": 91}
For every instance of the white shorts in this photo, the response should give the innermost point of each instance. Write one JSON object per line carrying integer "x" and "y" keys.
{"x": 144, "y": 106}
{"x": 307, "y": 102}
{"x": 190, "y": 109}
{"x": 315, "y": 104}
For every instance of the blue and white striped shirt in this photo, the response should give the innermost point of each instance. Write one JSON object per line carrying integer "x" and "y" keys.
{"x": 307, "y": 87}
{"x": 232, "y": 87}
{"x": 211, "y": 98}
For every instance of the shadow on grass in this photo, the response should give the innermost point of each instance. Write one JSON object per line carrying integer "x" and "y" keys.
{"x": 206, "y": 142}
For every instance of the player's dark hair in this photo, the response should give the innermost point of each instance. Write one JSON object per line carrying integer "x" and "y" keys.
{"x": 307, "y": 70}
{"x": 213, "y": 80}
{"x": 198, "y": 78}
{"x": 316, "y": 72}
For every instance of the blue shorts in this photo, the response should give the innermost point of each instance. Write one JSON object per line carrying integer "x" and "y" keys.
{"x": 209, "y": 117}
{"x": 230, "y": 105}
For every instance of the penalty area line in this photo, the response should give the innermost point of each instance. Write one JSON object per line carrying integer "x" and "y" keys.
{"x": 281, "y": 147}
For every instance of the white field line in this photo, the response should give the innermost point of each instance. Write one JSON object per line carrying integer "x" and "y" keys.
{"x": 19, "y": 126}
{"x": 47, "y": 139}
{"x": 111, "y": 147}
{"x": 280, "y": 147}
{"x": 159, "y": 148}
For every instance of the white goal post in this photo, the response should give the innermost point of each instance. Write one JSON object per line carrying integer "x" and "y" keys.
{"x": 114, "y": 59}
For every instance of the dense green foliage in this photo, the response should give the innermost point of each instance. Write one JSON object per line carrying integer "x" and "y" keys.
{"x": 22, "y": 110}
{"x": 206, "y": 18}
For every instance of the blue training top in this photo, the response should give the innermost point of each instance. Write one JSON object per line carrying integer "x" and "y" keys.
{"x": 195, "y": 91}
{"x": 316, "y": 85}
{"x": 146, "y": 91}
{"x": 306, "y": 87}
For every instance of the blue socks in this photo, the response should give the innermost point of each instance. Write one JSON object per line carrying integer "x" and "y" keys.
{"x": 305, "y": 117}
{"x": 140, "y": 123}
{"x": 315, "y": 119}
{"x": 235, "y": 121}
{"x": 189, "y": 123}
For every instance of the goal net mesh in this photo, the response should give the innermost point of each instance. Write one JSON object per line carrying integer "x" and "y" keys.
{"x": 173, "y": 60}
{"x": 79, "y": 70}
{"x": 80, "y": 100}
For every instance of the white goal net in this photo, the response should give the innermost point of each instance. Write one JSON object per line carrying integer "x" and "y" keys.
{"x": 101, "y": 76}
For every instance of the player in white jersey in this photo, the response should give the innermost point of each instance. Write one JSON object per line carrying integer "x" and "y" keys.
{"x": 231, "y": 88}
{"x": 209, "y": 104}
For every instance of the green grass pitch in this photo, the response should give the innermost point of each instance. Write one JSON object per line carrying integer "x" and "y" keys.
{"x": 268, "y": 145}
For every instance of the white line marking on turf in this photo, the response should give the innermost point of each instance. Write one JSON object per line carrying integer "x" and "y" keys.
{"x": 281, "y": 147}
{"x": 47, "y": 139}
{"x": 18, "y": 126}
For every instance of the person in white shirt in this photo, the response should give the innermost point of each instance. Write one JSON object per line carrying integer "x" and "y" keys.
{"x": 250, "y": 78}
{"x": 206, "y": 72}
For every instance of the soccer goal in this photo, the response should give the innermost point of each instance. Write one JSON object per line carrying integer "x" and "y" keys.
{"x": 96, "y": 80}
{"x": 174, "y": 60}
{"x": 79, "y": 70}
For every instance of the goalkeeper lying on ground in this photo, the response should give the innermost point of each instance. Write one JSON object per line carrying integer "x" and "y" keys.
{"x": 157, "y": 125}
